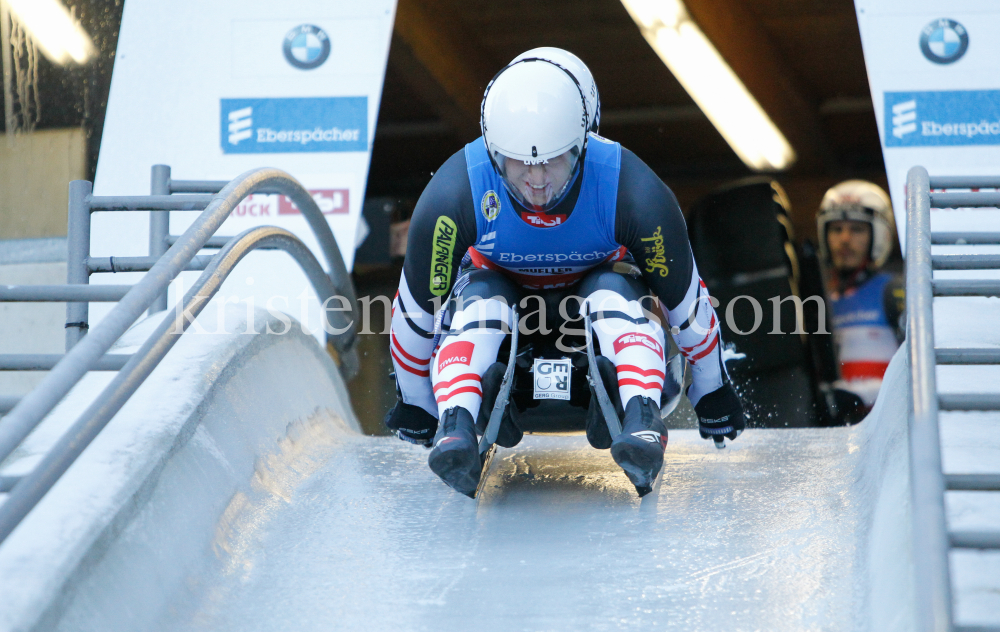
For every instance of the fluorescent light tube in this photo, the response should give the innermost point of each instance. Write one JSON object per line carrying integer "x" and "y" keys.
{"x": 712, "y": 84}
{"x": 56, "y": 32}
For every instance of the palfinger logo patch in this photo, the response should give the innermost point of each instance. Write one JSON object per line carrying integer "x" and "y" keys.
{"x": 445, "y": 236}
{"x": 490, "y": 205}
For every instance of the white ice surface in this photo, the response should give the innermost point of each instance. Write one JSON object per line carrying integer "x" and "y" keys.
{"x": 780, "y": 531}
{"x": 46, "y": 562}
{"x": 759, "y": 537}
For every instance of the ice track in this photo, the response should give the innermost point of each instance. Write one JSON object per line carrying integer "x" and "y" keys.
{"x": 772, "y": 533}
{"x": 297, "y": 522}
{"x": 759, "y": 537}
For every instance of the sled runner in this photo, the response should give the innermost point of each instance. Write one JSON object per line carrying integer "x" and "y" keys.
{"x": 547, "y": 409}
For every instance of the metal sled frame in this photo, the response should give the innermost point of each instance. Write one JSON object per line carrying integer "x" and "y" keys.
{"x": 488, "y": 442}
{"x": 675, "y": 373}
{"x": 594, "y": 378}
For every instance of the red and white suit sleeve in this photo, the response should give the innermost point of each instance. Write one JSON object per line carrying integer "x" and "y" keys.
{"x": 695, "y": 328}
{"x": 411, "y": 344}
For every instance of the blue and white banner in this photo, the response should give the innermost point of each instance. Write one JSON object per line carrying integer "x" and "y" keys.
{"x": 260, "y": 126}
{"x": 934, "y": 72}
{"x": 215, "y": 88}
{"x": 957, "y": 117}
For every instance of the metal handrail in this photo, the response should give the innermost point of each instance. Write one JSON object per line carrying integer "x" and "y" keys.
{"x": 45, "y": 362}
{"x": 965, "y": 200}
{"x": 930, "y": 533}
{"x": 26, "y": 493}
{"x": 78, "y": 292}
{"x": 150, "y": 202}
{"x": 301, "y": 198}
{"x": 87, "y": 353}
{"x": 965, "y": 239}
{"x": 931, "y": 537}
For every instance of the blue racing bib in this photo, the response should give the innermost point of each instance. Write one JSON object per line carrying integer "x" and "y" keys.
{"x": 538, "y": 250}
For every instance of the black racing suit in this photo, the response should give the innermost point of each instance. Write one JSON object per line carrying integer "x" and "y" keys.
{"x": 648, "y": 223}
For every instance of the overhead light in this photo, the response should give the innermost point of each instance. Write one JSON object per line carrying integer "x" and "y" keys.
{"x": 54, "y": 30}
{"x": 712, "y": 84}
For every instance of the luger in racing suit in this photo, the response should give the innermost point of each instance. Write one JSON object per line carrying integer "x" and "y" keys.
{"x": 465, "y": 221}
{"x": 867, "y": 327}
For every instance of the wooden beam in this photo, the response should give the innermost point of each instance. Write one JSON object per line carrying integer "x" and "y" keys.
{"x": 742, "y": 41}
{"x": 441, "y": 63}
{"x": 428, "y": 89}
{"x": 652, "y": 115}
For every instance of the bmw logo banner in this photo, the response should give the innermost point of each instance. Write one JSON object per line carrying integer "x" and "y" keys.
{"x": 944, "y": 41}
{"x": 240, "y": 86}
{"x": 934, "y": 75}
{"x": 306, "y": 46}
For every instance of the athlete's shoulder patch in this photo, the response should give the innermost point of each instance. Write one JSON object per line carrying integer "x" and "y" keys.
{"x": 490, "y": 205}
{"x": 443, "y": 249}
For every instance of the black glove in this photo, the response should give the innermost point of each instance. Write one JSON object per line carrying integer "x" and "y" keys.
{"x": 412, "y": 423}
{"x": 720, "y": 415}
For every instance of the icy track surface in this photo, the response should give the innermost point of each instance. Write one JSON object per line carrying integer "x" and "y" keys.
{"x": 760, "y": 536}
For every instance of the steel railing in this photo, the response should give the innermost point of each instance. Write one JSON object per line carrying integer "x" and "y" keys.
{"x": 932, "y": 539}
{"x": 88, "y": 351}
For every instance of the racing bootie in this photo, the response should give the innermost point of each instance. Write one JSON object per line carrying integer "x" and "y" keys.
{"x": 639, "y": 448}
{"x": 510, "y": 435}
{"x": 455, "y": 457}
{"x": 597, "y": 428}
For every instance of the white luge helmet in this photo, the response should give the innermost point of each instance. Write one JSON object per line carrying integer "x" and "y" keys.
{"x": 580, "y": 72}
{"x": 535, "y": 110}
{"x": 859, "y": 201}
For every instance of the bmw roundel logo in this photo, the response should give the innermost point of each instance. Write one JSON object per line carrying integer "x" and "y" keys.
{"x": 944, "y": 41}
{"x": 307, "y": 46}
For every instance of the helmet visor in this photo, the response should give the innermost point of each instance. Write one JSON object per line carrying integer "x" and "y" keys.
{"x": 539, "y": 185}
{"x": 849, "y": 211}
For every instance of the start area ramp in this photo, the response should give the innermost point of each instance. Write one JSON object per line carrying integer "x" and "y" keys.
{"x": 259, "y": 506}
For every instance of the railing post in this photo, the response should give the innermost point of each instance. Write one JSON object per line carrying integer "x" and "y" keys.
{"x": 930, "y": 534}
{"x": 77, "y": 252}
{"x": 159, "y": 226}
{"x": 29, "y": 411}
